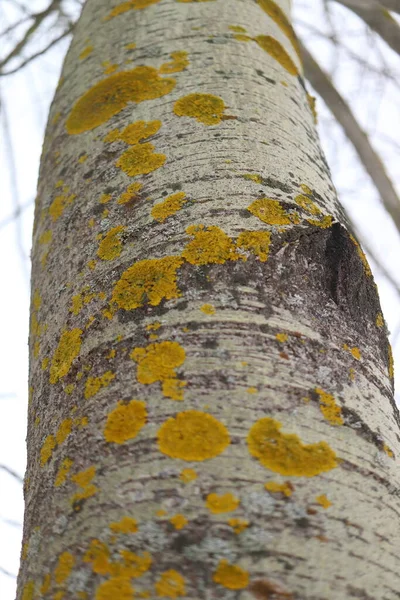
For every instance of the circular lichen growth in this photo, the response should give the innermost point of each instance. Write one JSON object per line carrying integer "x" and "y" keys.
{"x": 205, "y": 108}
{"x": 285, "y": 453}
{"x": 67, "y": 350}
{"x": 231, "y": 576}
{"x": 116, "y": 587}
{"x": 125, "y": 422}
{"x": 193, "y": 435}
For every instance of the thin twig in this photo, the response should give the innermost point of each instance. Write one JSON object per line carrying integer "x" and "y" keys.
{"x": 5, "y": 572}
{"x": 12, "y": 473}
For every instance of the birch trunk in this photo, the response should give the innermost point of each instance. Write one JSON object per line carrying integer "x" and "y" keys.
{"x": 211, "y": 408}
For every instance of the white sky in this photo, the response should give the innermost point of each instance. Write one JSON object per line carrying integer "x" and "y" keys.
{"x": 25, "y": 101}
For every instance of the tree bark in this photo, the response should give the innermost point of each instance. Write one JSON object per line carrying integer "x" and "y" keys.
{"x": 211, "y": 407}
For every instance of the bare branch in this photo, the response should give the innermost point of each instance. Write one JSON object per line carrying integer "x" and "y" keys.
{"x": 17, "y": 212}
{"x": 343, "y": 114}
{"x": 12, "y": 473}
{"x": 378, "y": 19}
{"x": 5, "y": 572}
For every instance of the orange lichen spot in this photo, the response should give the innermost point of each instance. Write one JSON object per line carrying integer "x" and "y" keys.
{"x": 47, "y": 449}
{"x": 169, "y": 206}
{"x": 238, "y": 525}
{"x": 306, "y": 189}
{"x": 83, "y": 158}
{"x": 324, "y": 223}
{"x": 140, "y": 159}
{"x": 104, "y": 198}
{"x": 44, "y": 588}
{"x": 307, "y": 204}
{"x": 231, "y": 576}
{"x": 125, "y": 525}
{"x": 353, "y": 351}
{"x": 269, "y": 211}
{"x": 208, "y": 309}
{"x": 237, "y": 28}
{"x": 46, "y": 237}
{"x": 158, "y": 362}
{"x": 69, "y": 388}
{"x": 282, "y": 337}
{"x": 125, "y": 421}
{"x": 193, "y": 435}
{"x": 178, "y": 521}
{"x": 278, "y": 16}
{"x": 285, "y": 488}
{"x": 99, "y": 555}
{"x": 36, "y": 300}
{"x": 312, "y": 104}
{"x": 110, "y": 95}
{"x": 149, "y": 280}
{"x": 130, "y": 46}
{"x": 28, "y": 591}
{"x": 256, "y": 242}
{"x": 171, "y": 583}
{"x": 188, "y": 475}
{"x": 134, "y": 565}
{"x": 64, "y": 567}
{"x": 129, "y": 5}
{"x": 67, "y": 350}
{"x": 161, "y": 513}
{"x": 63, "y": 472}
{"x": 379, "y": 320}
{"x": 77, "y": 304}
{"x": 361, "y": 254}
{"x": 253, "y": 177}
{"x": 390, "y": 361}
{"x": 85, "y": 52}
{"x": 131, "y": 193}
{"x": 331, "y": 411}
{"x": 178, "y": 63}
{"x": 388, "y": 451}
{"x": 222, "y": 504}
{"x": 24, "y": 552}
{"x": 59, "y": 204}
{"x": 109, "y": 67}
{"x": 252, "y": 390}
{"x": 205, "y": 108}
{"x": 285, "y": 453}
{"x": 115, "y": 587}
{"x": 278, "y": 52}
{"x": 210, "y": 245}
{"x": 110, "y": 246}
{"x": 95, "y": 384}
{"x": 153, "y": 326}
{"x": 135, "y": 132}
{"x": 323, "y": 501}
{"x": 63, "y": 431}
{"x": 83, "y": 480}
{"x": 36, "y": 350}
{"x": 242, "y": 37}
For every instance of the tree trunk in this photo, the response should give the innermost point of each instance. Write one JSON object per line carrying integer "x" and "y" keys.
{"x": 211, "y": 412}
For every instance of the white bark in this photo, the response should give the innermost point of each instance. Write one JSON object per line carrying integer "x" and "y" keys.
{"x": 287, "y": 333}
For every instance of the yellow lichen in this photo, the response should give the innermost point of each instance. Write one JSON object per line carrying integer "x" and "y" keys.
{"x": 282, "y": 337}
{"x": 125, "y": 421}
{"x": 67, "y": 350}
{"x": 208, "y": 309}
{"x": 178, "y": 521}
{"x": 388, "y": 451}
{"x": 361, "y": 254}
{"x": 253, "y": 177}
{"x": 59, "y": 204}
{"x": 85, "y": 52}
{"x": 307, "y": 204}
{"x": 312, "y": 104}
{"x": 28, "y": 591}
{"x": 238, "y": 525}
{"x": 285, "y": 453}
{"x": 379, "y": 320}
{"x": 47, "y": 449}
{"x": 109, "y": 67}
{"x": 222, "y": 504}
{"x": 237, "y": 28}
{"x": 129, "y": 5}
{"x": 252, "y": 390}
{"x": 323, "y": 501}
{"x": 178, "y": 63}
{"x": 110, "y": 246}
{"x": 115, "y": 587}
{"x": 169, "y": 206}
{"x": 269, "y": 211}
{"x": 193, "y": 435}
{"x": 83, "y": 158}
{"x": 277, "y": 51}
{"x": 390, "y": 361}
{"x": 104, "y": 198}
{"x": 46, "y": 237}
{"x": 353, "y": 351}
{"x": 210, "y": 245}
{"x": 188, "y": 475}
{"x": 256, "y": 242}
{"x": 170, "y": 585}
{"x": 231, "y": 576}
{"x": 63, "y": 472}
{"x": 64, "y": 567}
{"x": 135, "y": 132}
{"x": 110, "y": 95}
{"x": 63, "y": 431}
{"x": 140, "y": 159}
{"x": 158, "y": 362}
{"x": 278, "y": 16}
{"x": 83, "y": 480}
{"x": 94, "y": 384}
{"x": 324, "y": 222}
{"x": 44, "y": 588}
{"x": 130, "y": 46}
{"x": 283, "y": 488}
{"x": 131, "y": 193}
{"x": 205, "y": 108}
{"x": 331, "y": 411}
{"x": 99, "y": 555}
{"x": 125, "y": 525}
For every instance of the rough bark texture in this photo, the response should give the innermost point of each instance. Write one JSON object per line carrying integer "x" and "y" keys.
{"x": 211, "y": 412}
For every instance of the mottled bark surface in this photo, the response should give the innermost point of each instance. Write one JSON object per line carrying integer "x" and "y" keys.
{"x": 211, "y": 412}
